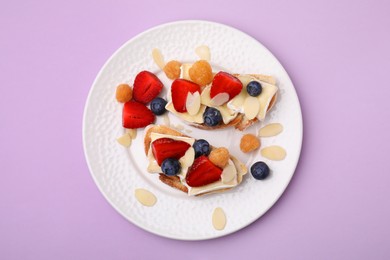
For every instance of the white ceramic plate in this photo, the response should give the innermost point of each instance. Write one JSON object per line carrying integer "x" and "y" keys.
{"x": 118, "y": 171}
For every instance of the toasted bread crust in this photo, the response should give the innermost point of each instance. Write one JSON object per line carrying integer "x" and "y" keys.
{"x": 174, "y": 182}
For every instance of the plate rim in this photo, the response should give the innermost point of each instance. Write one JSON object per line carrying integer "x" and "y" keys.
{"x": 139, "y": 35}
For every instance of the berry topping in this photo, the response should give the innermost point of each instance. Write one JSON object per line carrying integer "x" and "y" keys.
{"x": 219, "y": 156}
{"x": 146, "y": 87}
{"x": 170, "y": 166}
{"x": 225, "y": 83}
{"x": 201, "y": 73}
{"x": 254, "y": 88}
{"x": 212, "y": 117}
{"x": 136, "y": 115}
{"x": 164, "y": 148}
{"x": 180, "y": 89}
{"x": 201, "y": 147}
{"x": 123, "y": 93}
{"x": 172, "y": 69}
{"x": 249, "y": 142}
{"x": 202, "y": 172}
{"x": 158, "y": 106}
{"x": 260, "y": 170}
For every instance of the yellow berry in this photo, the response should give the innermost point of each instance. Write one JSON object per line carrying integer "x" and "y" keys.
{"x": 201, "y": 73}
{"x": 219, "y": 157}
{"x": 249, "y": 142}
{"x": 123, "y": 93}
{"x": 172, "y": 69}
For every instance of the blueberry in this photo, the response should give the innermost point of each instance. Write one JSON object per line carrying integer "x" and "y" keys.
{"x": 170, "y": 166}
{"x": 260, "y": 170}
{"x": 254, "y": 88}
{"x": 201, "y": 147}
{"x": 158, "y": 106}
{"x": 212, "y": 117}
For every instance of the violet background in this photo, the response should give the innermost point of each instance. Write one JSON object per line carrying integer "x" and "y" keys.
{"x": 337, "y": 55}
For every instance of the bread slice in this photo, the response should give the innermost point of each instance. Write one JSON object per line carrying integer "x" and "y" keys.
{"x": 241, "y": 122}
{"x": 174, "y": 181}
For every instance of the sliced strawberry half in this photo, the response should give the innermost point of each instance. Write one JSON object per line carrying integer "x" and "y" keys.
{"x": 202, "y": 172}
{"x": 136, "y": 115}
{"x": 179, "y": 90}
{"x": 164, "y": 148}
{"x": 225, "y": 83}
{"x": 146, "y": 87}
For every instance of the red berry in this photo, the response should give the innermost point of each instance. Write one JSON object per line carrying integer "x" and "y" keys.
{"x": 146, "y": 87}
{"x": 164, "y": 148}
{"x": 180, "y": 89}
{"x": 136, "y": 115}
{"x": 225, "y": 83}
{"x": 202, "y": 172}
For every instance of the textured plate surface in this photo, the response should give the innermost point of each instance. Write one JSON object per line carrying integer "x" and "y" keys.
{"x": 118, "y": 171}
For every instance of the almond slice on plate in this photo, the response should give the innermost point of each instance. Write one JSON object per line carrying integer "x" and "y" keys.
{"x": 271, "y": 130}
{"x": 145, "y": 197}
{"x": 158, "y": 58}
{"x": 274, "y": 152}
{"x": 203, "y": 52}
{"x": 219, "y": 219}
{"x": 124, "y": 140}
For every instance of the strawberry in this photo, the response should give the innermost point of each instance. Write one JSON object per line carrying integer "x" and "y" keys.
{"x": 202, "y": 172}
{"x": 136, "y": 115}
{"x": 164, "y": 148}
{"x": 225, "y": 83}
{"x": 179, "y": 90}
{"x": 146, "y": 87}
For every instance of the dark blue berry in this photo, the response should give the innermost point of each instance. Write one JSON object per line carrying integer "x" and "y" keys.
{"x": 201, "y": 147}
{"x": 170, "y": 166}
{"x": 212, "y": 117}
{"x": 254, "y": 88}
{"x": 158, "y": 106}
{"x": 260, "y": 170}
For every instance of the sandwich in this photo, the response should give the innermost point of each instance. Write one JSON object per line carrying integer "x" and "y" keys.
{"x": 192, "y": 166}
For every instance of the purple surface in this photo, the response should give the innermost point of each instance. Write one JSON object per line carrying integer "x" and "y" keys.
{"x": 337, "y": 54}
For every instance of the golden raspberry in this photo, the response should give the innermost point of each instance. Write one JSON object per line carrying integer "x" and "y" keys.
{"x": 201, "y": 73}
{"x": 172, "y": 69}
{"x": 219, "y": 157}
{"x": 124, "y": 93}
{"x": 249, "y": 142}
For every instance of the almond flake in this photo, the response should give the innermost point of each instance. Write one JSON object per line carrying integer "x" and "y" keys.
{"x": 271, "y": 130}
{"x": 145, "y": 197}
{"x": 228, "y": 173}
{"x": 193, "y": 103}
{"x": 188, "y": 158}
{"x": 219, "y": 219}
{"x": 275, "y": 153}
{"x": 124, "y": 140}
{"x": 220, "y": 99}
{"x": 158, "y": 58}
{"x": 203, "y": 52}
